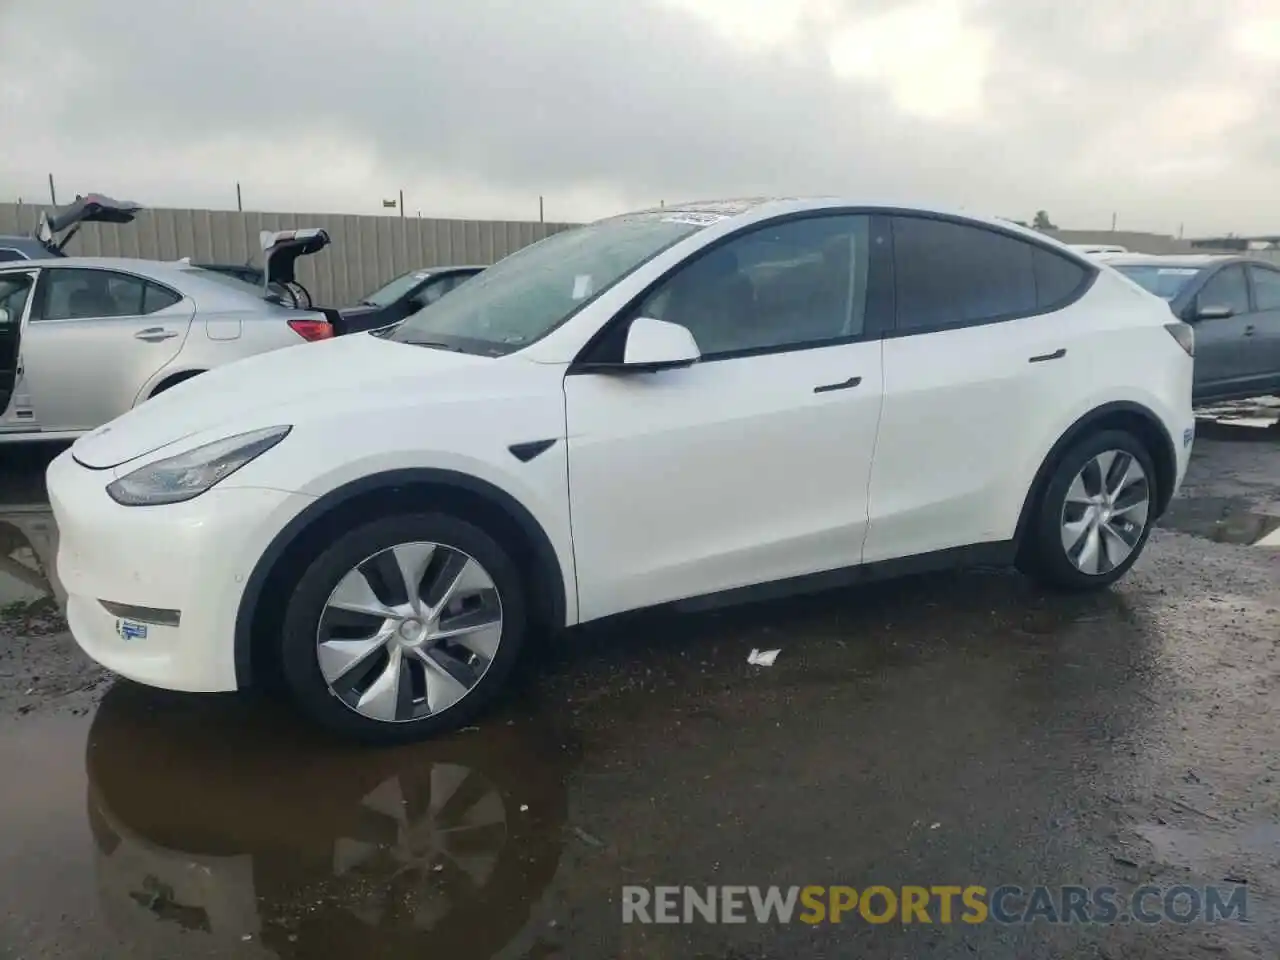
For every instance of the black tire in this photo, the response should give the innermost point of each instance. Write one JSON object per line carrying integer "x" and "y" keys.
{"x": 298, "y": 657}
{"x": 1043, "y": 557}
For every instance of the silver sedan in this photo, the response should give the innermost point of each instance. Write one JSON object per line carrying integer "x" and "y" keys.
{"x": 84, "y": 339}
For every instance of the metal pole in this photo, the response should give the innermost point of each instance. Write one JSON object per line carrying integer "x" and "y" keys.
{"x": 53, "y": 194}
{"x": 401, "y": 204}
{"x": 1113, "y": 223}
{"x": 540, "y": 219}
{"x": 239, "y": 203}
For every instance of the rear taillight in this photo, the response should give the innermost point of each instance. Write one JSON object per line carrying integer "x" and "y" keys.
{"x": 312, "y": 329}
{"x": 1185, "y": 334}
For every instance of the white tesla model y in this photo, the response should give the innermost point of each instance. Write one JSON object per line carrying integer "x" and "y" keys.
{"x": 725, "y": 400}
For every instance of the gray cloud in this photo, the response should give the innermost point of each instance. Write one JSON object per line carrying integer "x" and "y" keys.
{"x": 476, "y": 106}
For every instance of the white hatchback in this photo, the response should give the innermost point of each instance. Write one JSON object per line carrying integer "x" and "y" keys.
{"x": 725, "y": 401}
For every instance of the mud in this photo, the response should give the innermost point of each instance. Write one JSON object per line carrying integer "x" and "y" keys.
{"x": 950, "y": 729}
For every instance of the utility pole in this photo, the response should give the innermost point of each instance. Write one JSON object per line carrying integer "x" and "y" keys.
{"x": 540, "y": 220}
{"x": 53, "y": 194}
{"x": 1179, "y": 231}
{"x": 239, "y": 204}
{"x": 401, "y": 204}
{"x": 1113, "y": 223}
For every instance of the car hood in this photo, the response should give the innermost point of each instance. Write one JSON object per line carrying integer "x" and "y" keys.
{"x": 250, "y": 393}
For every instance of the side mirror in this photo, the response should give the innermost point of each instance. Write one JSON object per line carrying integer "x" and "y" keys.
{"x": 4, "y": 317}
{"x": 1213, "y": 311}
{"x": 659, "y": 345}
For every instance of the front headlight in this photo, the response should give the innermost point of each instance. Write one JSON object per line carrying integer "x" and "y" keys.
{"x": 192, "y": 473}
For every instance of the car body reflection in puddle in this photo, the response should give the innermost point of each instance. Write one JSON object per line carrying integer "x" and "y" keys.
{"x": 233, "y": 824}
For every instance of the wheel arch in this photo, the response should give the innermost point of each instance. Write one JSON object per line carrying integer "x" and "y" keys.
{"x": 1119, "y": 415}
{"x": 478, "y": 501}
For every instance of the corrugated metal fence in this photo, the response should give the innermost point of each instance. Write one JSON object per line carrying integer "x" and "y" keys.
{"x": 366, "y": 251}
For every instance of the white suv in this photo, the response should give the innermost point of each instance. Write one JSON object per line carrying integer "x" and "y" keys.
{"x": 726, "y": 400}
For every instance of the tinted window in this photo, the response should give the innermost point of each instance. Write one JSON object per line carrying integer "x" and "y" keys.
{"x": 83, "y": 294}
{"x": 1057, "y": 278}
{"x": 1226, "y": 288}
{"x": 948, "y": 274}
{"x": 435, "y": 290}
{"x": 8, "y": 254}
{"x": 158, "y": 298}
{"x": 1266, "y": 288}
{"x": 802, "y": 282}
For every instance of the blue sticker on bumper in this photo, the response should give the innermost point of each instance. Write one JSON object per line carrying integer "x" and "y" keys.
{"x": 131, "y": 630}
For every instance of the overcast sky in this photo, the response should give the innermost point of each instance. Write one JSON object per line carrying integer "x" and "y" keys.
{"x": 1161, "y": 112}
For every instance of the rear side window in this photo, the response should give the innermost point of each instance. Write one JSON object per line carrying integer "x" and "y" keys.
{"x": 950, "y": 274}
{"x": 157, "y": 297}
{"x": 9, "y": 254}
{"x": 1057, "y": 278}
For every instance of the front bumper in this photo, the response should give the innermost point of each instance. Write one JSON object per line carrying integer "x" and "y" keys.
{"x": 191, "y": 559}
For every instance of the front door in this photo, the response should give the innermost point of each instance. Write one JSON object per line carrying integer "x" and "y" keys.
{"x": 15, "y": 291}
{"x": 751, "y": 465}
{"x": 1266, "y": 320}
{"x": 93, "y": 339}
{"x": 1226, "y": 362}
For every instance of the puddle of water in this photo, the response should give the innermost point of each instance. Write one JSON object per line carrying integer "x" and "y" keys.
{"x": 213, "y": 826}
{"x": 1223, "y": 520}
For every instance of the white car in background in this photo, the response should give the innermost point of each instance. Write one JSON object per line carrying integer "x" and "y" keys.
{"x": 83, "y": 339}
{"x": 726, "y": 401}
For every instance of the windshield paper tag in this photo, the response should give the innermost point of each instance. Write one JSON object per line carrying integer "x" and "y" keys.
{"x": 695, "y": 219}
{"x": 582, "y": 286}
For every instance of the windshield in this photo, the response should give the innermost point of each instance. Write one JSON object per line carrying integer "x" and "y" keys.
{"x": 527, "y": 295}
{"x": 386, "y": 295}
{"x": 1166, "y": 282}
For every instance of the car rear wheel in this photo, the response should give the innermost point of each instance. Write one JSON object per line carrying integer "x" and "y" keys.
{"x": 403, "y": 628}
{"x": 1095, "y": 515}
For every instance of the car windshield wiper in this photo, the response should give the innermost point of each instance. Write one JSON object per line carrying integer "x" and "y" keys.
{"x": 436, "y": 344}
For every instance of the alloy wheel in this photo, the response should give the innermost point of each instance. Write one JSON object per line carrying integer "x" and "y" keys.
{"x": 409, "y": 632}
{"x": 1105, "y": 512}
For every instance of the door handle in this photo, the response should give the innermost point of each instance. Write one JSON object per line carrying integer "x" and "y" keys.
{"x": 846, "y": 385}
{"x": 154, "y": 334}
{"x": 1249, "y": 330}
{"x": 1056, "y": 355}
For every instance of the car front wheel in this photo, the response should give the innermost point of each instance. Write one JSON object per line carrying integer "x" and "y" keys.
{"x": 403, "y": 628}
{"x": 1092, "y": 522}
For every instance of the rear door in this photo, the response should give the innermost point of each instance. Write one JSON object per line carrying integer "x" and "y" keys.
{"x": 1266, "y": 320}
{"x": 15, "y": 292}
{"x": 1225, "y": 359}
{"x": 976, "y": 373}
{"x": 94, "y": 338}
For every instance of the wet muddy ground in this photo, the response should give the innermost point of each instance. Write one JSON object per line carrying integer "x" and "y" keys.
{"x": 951, "y": 729}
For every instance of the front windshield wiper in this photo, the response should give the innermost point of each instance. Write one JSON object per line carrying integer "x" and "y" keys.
{"x": 366, "y": 303}
{"x": 436, "y": 344}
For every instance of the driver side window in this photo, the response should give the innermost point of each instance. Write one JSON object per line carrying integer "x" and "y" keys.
{"x": 1227, "y": 288}
{"x": 797, "y": 284}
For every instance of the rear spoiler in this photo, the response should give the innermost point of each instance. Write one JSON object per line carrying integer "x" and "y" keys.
{"x": 94, "y": 208}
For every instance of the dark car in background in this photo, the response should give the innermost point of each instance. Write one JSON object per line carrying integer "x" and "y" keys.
{"x": 403, "y": 296}
{"x": 1234, "y": 304}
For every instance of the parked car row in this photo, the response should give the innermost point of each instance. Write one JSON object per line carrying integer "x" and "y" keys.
{"x": 1234, "y": 304}
{"x": 83, "y": 339}
{"x": 704, "y": 404}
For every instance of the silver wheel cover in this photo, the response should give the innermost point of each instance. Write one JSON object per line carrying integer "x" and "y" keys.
{"x": 1105, "y": 512}
{"x": 409, "y": 632}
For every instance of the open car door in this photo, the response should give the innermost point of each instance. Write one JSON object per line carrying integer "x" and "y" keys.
{"x": 280, "y": 252}
{"x": 94, "y": 208}
{"x": 15, "y": 293}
